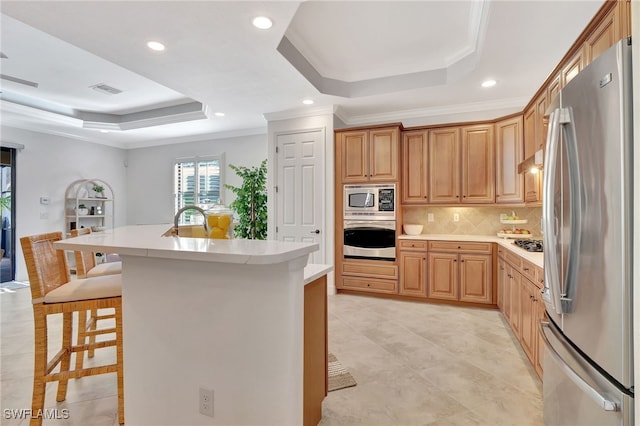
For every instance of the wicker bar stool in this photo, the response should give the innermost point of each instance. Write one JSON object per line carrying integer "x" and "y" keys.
{"x": 86, "y": 267}
{"x": 53, "y": 292}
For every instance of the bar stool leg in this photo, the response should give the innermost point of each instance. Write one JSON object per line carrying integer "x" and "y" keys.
{"x": 92, "y": 327}
{"x": 82, "y": 338}
{"x": 39, "y": 368}
{"x": 65, "y": 362}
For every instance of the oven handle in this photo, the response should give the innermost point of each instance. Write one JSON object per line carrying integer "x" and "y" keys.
{"x": 384, "y": 224}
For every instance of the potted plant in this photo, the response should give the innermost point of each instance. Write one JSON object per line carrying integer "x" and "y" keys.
{"x": 251, "y": 202}
{"x": 5, "y": 202}
{"x": 99, "y": 190}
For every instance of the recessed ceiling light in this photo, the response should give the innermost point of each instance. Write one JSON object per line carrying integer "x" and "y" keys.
{"x": 308, "y": 101}
{"x": 262, "y": 22}
{"x": 488, "y": 83}
{"x": 155, "y": 45}
{"x": 219, "y": 114}
{"x": 104, "y": 131}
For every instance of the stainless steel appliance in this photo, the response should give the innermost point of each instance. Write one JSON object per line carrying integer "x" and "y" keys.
{"x": 370, "y": 239}
{"x": 369, "y": 222}
{"x": 373, "y": 202}
{"x": 530, "y": 245}
{"x": 588, "y": 223}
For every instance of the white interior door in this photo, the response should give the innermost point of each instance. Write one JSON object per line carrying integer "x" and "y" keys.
{"x": 300, "y": 189}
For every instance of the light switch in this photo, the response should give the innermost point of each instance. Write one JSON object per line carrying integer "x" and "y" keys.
{"x": 429, "y": 217}
{"x": 44, "y": 200}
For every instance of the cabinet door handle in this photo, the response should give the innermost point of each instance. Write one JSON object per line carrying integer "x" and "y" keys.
{"x": 526, "y": 269}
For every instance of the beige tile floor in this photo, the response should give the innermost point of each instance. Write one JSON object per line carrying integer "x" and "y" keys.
{"x": 415, "y": 364}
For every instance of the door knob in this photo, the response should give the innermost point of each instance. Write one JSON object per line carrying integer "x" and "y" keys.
{"x": 317, "y": 231}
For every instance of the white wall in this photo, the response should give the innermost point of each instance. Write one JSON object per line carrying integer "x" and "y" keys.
{"x": 324, "y": 119}
{"x": 45, "y": 167}
{"x": 150, "y": 173}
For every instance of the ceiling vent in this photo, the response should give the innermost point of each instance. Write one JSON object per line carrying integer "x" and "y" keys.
{"x": 105, "y": 88}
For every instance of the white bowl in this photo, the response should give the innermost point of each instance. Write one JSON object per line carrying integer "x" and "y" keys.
{"x": 412, "y": 229}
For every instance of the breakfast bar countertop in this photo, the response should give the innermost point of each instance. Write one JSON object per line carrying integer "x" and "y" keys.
{"x": 534, "y": 257}
{"x": 148, "y": 241}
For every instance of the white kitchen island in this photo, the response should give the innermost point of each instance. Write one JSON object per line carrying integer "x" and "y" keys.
{"x": 225, "y": 315}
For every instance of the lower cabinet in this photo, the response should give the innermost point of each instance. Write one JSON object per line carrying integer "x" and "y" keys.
{"x": 460, "y": 271}
{"x": 370, "y": 275}
{"x": 519, "y": 300}
{"x": 413, "y": 270}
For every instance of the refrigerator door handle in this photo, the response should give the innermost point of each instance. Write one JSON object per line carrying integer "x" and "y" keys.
{"x": 551, "y": 294}
{"x": 602, "y": 401}
{"x": 567, "y": 121}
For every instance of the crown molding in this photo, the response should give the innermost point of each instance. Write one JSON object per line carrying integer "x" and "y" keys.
{"x": 300, "y": 112}
{"x": 403, "y": 115}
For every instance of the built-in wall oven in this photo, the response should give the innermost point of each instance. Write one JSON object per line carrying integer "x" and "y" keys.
{"x": 370, "y": 222}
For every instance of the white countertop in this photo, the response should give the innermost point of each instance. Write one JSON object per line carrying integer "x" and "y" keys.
{"x": 313, "y": 271}
{"x": 535, "y": 258}
{"x": 147, "y": 241}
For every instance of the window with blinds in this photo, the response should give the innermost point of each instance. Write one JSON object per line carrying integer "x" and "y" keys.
{"x": 197, "y": 181}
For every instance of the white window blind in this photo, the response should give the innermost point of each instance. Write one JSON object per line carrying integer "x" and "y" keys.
{"x": 197, "y": 181}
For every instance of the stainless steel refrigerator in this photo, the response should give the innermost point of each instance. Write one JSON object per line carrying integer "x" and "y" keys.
{"x": 588, "y": 231}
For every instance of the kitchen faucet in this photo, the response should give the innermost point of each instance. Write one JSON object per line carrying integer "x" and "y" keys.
{"x": 190, "y": 207}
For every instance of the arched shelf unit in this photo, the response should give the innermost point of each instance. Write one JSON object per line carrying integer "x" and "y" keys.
{"x": 86, "y": 207}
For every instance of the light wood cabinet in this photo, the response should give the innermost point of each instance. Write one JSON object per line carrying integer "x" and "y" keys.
{"x": 460, "y": 271}
{"x": 413, "y": 268}
{"x": 443, "y": 276}
{"x": 572, "y": 67}
{"x": 528, "y": 318}
{"x": 461, "y": 165}
{"x": 532, "y": 182}
{"x": 373, "y": 285}
{"x": 444, "y": 165}
{"x": 519, "y": 285}
{"x": 515, "y": 284}
{"x": 415, "y": 167}
{"x": 509, "y": 153}
{"x": 478, "y": 164}
{"x": 369, "y": 155}
{"x": 475, "y": 278}
{"x": 605, "y": 35}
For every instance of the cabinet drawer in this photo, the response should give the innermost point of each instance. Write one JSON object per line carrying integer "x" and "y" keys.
{"x": 460, "y": 246}
{"x": 414, "y": 245}
{"x": 370, "y": 284}
{"x": 372, "y": 269}
{"x": 529, "y": 270}
{"x": 513, "y": 259}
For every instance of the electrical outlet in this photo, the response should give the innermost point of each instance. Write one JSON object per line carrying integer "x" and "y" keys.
{"x": 206, "y": 402}
{"x": 456, "y": 217}
{"x": 430, "y": 217}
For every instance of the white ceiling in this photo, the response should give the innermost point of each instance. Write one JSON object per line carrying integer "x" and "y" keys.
{"x": 418, "y": 62}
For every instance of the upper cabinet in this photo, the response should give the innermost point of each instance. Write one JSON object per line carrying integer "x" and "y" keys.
{"x": 572, "y": 67}
{"x": 509, "y": 153}
{"x": 415, "y": 167}
{"x": 608, "y": 31}
{"x": 369, "y": 155}
{"x": 478, "y": 164}
{"x": 444, "y": 165}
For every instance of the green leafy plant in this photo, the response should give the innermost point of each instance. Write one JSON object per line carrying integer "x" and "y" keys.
{"x": 5, "y": 202}
{"x": 251, "y": 201}
{"x": 99, "y": 189}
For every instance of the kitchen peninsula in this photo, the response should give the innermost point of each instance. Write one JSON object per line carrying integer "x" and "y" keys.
{"x": 224, "y": 315}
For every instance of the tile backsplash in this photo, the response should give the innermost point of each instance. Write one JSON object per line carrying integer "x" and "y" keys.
{"x": 473, "y": 220}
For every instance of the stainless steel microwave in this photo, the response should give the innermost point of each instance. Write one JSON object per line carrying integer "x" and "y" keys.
{"x": 373, "y": 202}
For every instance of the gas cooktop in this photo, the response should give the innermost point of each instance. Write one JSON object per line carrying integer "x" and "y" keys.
{"x": 529, "y": 245}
